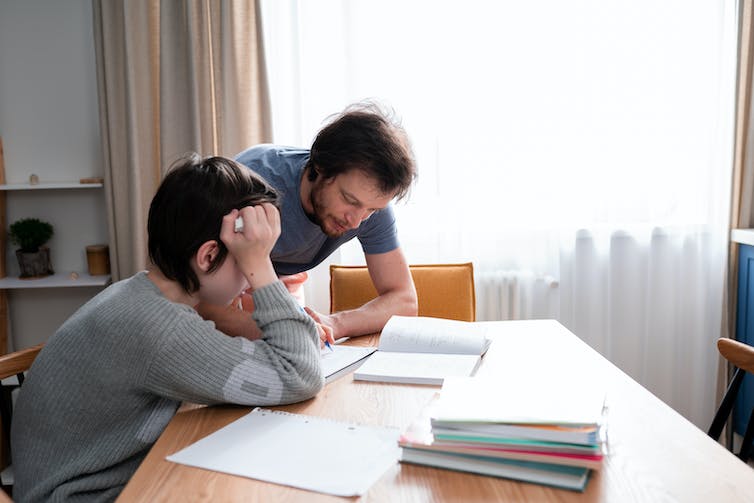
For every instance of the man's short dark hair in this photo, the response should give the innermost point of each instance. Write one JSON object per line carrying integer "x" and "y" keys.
{"x": 365, "y": 137}
{"x": 188, "y": 209}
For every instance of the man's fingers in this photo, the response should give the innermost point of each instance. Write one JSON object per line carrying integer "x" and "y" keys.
{"x": 313, "y": 314}
{"x": 328, "y": 334}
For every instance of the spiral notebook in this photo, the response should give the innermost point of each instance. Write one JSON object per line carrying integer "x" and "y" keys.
{"x": 307, "y": 452}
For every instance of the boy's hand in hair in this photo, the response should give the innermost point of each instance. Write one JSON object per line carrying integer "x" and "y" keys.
{"x": 252, "y": 246}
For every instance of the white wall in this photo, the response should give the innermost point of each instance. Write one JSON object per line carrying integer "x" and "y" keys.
{"x": 50, "y": 127}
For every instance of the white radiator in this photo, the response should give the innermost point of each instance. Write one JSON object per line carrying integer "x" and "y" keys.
{"x": 515, "y": 295}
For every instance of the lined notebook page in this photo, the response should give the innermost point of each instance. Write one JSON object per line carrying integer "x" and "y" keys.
{"x": 307, "y": 452}
{"x": 422, "y": 334}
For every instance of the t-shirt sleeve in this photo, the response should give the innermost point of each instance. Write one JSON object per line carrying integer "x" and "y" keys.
{"x": 379, "y": 233}
{"x": 198, "y": 363}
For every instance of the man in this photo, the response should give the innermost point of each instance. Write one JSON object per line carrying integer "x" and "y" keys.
{"x": 340, "y": 189}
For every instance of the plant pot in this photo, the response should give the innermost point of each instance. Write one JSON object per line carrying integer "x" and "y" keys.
{"x": 34, "y": 264}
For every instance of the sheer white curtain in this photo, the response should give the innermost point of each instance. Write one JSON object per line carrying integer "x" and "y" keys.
{"x": 586, "y": 141}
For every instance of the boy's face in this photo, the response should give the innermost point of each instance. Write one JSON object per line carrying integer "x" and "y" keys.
{"x": 223, "y": 285}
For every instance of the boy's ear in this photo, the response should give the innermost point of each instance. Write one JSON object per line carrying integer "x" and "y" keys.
{"x": 206, "y": 254}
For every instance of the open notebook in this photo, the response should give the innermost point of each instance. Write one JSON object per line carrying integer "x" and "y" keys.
{"x": 424, "y": 350}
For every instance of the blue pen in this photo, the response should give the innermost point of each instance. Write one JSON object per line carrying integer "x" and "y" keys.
{"x": 327, "y": 343}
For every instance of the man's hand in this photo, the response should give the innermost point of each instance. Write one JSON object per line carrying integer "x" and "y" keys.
{"x": 324, "y": 326}
{"x": 325, "y": 335}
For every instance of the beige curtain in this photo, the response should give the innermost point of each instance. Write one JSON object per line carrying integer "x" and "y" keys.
{"x": 742, "y": 196}
{"x": 173, "y": 76}
{"x": 742, "y": 208}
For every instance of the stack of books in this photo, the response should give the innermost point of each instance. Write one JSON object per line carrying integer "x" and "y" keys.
{"x": 552, "y": 435}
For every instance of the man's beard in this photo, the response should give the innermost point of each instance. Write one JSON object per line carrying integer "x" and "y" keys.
{"x": 318, "y": 215}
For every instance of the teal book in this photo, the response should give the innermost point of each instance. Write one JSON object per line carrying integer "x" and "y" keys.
{"x": 574, "y": 478}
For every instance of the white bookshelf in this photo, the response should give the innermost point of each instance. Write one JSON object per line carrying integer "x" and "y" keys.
{"x": 49, "y": 186}
{"x": 55, "y": 281}
{"x": 61, "y": 279}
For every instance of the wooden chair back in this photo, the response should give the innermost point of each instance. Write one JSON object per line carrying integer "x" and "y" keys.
{"x": 12, "y": 364}
{"x": 443, "y": 290}
{"x": 741, "y": 356}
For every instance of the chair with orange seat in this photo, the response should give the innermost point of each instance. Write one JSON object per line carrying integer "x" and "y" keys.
{"x": 443, "y": 290}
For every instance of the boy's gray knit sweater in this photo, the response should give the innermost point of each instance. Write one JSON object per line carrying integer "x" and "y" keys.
{"x": 108, "y": 382}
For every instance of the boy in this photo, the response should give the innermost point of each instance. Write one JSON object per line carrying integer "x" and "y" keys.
{"x": 108, "y": 382}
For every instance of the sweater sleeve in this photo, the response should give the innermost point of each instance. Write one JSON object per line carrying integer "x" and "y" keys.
{"x": 198, "y": 363}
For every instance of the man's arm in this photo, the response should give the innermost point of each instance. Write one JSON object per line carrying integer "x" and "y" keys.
{"x": 396, "y": 295}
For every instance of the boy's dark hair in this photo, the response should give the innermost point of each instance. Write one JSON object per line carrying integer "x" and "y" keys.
{"x": 188, "y": 209}
{"x": 364, "y": 137}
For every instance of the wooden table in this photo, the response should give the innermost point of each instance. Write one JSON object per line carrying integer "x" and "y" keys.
{"x": 655, "y": 454}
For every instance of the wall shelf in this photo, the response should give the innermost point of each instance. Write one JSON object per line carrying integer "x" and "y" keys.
{"x": 55, "y": 281}
{"x": 48, "y": 186}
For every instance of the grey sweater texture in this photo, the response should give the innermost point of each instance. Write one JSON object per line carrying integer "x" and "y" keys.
{"x": 107, "y": 383}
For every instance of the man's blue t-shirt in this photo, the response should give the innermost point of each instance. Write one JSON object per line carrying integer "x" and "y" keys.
{"x": 302, "y": 244}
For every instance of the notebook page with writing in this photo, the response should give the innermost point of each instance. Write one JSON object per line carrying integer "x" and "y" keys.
{"x": 306, "y": 452}
{"x": 421, "y": 334}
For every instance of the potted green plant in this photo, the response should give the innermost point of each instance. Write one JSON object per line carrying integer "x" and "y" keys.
{"x": 30, "y": 234}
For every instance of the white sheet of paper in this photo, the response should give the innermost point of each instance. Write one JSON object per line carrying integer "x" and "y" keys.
{"x": 307, "y": 452}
